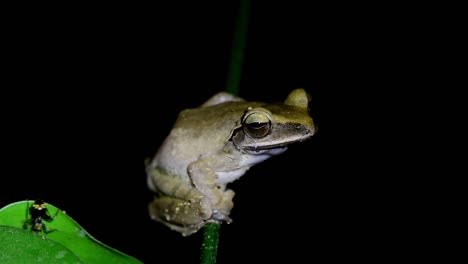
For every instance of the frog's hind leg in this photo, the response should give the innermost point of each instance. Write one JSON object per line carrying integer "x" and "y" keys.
{"x": 181, "y": 191}
{"x": 183, "y": 216}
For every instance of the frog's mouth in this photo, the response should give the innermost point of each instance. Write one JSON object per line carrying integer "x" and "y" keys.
{"x": 271, "y": 149}
{"x": 259, "y": 147}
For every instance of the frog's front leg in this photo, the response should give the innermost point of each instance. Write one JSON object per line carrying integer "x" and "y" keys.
{"x": 204, "y": 177}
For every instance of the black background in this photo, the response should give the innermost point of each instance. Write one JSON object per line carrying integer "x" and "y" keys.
{"x": 92, "y": 91}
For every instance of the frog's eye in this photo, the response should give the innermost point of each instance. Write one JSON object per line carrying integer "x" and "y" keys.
{"x": 257, "y": 125}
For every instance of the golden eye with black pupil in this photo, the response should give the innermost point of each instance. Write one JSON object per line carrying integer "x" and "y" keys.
{"x": 257, "y": 125}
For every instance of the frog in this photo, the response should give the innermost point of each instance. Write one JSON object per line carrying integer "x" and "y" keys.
{"x": 214, "y": 144}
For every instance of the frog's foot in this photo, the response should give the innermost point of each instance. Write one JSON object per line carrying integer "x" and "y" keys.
{"x": 183, "y": 216}
{"x": 224, "y": 206}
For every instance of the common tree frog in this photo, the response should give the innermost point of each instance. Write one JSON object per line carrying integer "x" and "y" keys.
{"x": 213, "y": 145}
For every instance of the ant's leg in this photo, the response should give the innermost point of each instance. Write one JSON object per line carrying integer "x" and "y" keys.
{"x": 27, "y": 221}
{"x": 46, "y": 230}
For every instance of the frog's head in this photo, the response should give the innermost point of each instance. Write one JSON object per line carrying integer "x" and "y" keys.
{"x": 270, "y": 127}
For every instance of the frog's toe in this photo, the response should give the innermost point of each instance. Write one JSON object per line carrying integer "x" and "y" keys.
{"x": 221, "y": 216}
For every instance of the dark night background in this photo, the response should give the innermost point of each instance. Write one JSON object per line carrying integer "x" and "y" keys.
{"x": 93, "y": 91}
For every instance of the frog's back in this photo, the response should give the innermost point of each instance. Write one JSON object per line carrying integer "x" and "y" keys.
{"x": 199, "y": 132}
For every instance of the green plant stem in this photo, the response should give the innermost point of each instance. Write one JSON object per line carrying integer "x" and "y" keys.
{"x": 238, "y": 48}
{"x": 211, "y": 230}
{"x": 210, "y": 243}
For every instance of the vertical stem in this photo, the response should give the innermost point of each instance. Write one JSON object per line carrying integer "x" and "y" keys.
{"x": 211, "y": 230}
{"x": 238, "y": 48}
{"x": 210, "y": 243}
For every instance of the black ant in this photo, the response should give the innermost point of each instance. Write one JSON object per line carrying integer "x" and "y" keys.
{"x": 38, "y": 213}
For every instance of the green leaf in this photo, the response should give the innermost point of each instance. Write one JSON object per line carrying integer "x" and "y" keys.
{"x": 22, "y": 246}
{"x": 63, "y": 230}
